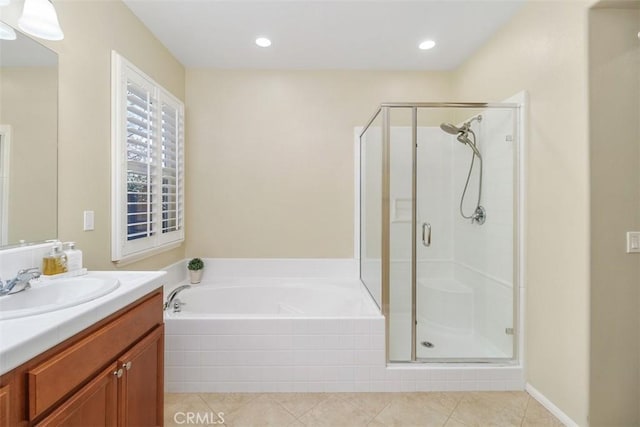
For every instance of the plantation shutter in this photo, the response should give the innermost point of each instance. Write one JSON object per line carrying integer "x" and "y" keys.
{"x": 172, "y": 165}
{"x": 141, "y": 169}
{"x": 148, "y": 157}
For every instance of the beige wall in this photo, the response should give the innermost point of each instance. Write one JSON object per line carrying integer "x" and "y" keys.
{"x": 270, "y": 157}
{"x": 543, "y": 51}
{"x": 28, "y": 103}
{"x": 92, "y": 29}
{"x": 614, "y": 65}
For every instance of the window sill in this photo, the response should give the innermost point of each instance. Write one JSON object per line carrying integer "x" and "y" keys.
{"x": 130, "y": 259}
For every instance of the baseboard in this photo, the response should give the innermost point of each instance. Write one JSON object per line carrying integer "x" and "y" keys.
{"x": 564, "y": 418}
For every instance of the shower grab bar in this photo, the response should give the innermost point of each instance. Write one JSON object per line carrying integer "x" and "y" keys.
{"x": 426, "y": 234}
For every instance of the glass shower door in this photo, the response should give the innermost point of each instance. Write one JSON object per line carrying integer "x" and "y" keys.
{"x": 400, "y": 229}
{"x": 464, "y": 250}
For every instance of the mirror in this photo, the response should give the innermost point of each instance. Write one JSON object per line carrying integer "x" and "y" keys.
{"x": 28, "y": 141}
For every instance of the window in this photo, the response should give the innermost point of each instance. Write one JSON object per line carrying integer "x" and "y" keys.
{"x": 147, "y": 165}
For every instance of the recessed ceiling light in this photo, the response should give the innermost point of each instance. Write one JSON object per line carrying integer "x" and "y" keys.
{"x": 263, "y": 42}
{"x": 427, "y": 44}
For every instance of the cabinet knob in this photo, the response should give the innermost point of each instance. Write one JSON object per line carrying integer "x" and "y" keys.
{"x": 126, "y": 366}
{"x": 118, "y": 373}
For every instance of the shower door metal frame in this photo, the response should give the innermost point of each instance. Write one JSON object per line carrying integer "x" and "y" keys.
{"x": 385, "y": 108}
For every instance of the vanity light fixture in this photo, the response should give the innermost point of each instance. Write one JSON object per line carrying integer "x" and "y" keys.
{"x": 39, "y": 19}
{"x": 426, "y": 45}
{"x": 6, "y": 32}
{"x": 263, "y": 42}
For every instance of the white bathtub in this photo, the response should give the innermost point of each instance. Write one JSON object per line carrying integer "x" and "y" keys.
{"x": 276, "y": 297}
{"x": 245, "y": 330}
{"x": 255, "y": 334}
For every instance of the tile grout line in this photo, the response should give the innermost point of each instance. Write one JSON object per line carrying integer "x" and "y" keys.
{"x": 380, "y": 411}
{"x": 342, "y": 397}
{"x": 454, "y": 410}
{"x": 524, "y": 417}
{"x": 209, "y": 406}
{"x": 324, "y": 399}
{"x": 297, "y": 418}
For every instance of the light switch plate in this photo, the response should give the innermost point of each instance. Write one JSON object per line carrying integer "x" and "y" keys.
{"x": 88, "y": 220}
{"x": 633, "y": 242}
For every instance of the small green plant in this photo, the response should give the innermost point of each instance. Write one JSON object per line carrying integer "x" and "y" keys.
{"x": 195, "y": 264}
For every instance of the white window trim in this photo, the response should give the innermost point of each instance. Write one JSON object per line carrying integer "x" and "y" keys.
{"x": 123, "y": 252}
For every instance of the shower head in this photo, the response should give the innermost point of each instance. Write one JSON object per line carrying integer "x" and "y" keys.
{"x": 463, "y": 138}
{"x": 463, "y": 133}
{"x": 466, "y": 126}
{"x": 452, "y": 129}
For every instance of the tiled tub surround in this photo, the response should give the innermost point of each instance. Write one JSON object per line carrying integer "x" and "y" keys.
{"x": 245, "y": 352}
{"x": 23, "y": 338}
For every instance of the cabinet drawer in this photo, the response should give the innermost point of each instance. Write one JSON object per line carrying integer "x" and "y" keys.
{"x": 55, "y": 378}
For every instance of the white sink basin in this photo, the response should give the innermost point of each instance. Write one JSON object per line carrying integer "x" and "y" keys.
{"x": 51, "y": 295}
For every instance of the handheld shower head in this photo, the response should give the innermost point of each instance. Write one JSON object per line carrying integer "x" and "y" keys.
{"x": 463, "y": 133}
{"x": 463, "y": 138}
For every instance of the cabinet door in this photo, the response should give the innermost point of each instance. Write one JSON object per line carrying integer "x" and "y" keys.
{"x": 4, "y": 406}
{"x": 141, "y": 388}
{"x": 93, "y": 405}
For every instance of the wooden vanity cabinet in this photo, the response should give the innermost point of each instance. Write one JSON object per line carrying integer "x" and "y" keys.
{"x": 141, "y": 389}
{"x": 111, "y": 374}
{"x": 4, "y": 406}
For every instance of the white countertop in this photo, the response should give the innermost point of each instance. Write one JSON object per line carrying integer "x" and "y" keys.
{"x": 23, "y": 338}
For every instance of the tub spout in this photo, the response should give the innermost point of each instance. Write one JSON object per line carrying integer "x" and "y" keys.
{"x": 172, "y": 296}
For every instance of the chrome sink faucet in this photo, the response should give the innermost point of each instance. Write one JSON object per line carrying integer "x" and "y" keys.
{"x": 20, "y": 282}
{"x": 174, "y": 302}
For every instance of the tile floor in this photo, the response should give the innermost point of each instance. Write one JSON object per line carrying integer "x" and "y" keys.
{"x": 451, "y": 409}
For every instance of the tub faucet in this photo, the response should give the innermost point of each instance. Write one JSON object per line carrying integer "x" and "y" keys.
{"x": 20, "y": 282}
{"x": 174, "y": 302}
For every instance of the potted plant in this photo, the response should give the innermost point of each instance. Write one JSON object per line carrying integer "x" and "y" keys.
{"x": 195, "y": 267}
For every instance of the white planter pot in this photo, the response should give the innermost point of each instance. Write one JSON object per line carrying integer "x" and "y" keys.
{"x": 195, "y": 276}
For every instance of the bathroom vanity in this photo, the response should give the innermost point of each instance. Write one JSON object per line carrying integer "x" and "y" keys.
{"x": 99, "y": 363}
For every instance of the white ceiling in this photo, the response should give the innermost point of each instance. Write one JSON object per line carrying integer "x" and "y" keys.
{"x": 317, "y": 34}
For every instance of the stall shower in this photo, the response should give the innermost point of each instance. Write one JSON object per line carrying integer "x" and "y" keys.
{"x": 439, "y": 221}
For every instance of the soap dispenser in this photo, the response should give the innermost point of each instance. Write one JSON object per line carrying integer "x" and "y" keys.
{"x": 74, "y": 256}
{"x": 55, "y": 262}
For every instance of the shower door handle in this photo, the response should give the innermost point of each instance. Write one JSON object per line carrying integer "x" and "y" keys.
{"x": 426, "y": 234}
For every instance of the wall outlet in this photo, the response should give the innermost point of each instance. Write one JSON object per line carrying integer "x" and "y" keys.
{"x": 633, "y": 242}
